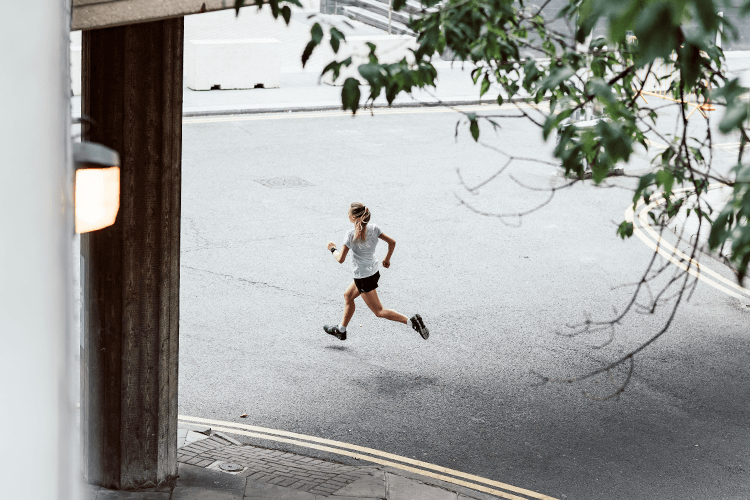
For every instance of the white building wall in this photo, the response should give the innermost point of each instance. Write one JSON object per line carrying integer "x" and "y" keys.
{"x": 35, "y": 237}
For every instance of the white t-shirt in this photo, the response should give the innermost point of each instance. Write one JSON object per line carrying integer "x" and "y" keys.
{"x": 363, "y": 252}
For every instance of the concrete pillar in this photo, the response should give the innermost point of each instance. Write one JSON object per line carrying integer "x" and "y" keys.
{"x": 132, "y": 97}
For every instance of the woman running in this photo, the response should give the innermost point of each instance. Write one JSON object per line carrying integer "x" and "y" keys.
{"x": 362, "y": 240}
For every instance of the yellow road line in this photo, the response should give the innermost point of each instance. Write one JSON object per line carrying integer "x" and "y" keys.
{"x": 273, "y": 434}
{"x": 675, "y": 256}
{"x": 337, "y": 113}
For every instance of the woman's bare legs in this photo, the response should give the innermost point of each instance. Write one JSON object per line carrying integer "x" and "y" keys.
{"x": 373, "y": 302}
{"x": 350, "y": 294}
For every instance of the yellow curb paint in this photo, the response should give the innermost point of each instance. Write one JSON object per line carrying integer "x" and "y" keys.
{"x": 684, "y": 257}
{"x": 337, "y": 113}
{"x": 272, "y": 434}
{"x": 675, "y": 256}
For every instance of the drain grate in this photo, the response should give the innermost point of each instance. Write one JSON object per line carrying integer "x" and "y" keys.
{"x": 284, "y": 182}
{"x": 231, "y": 467}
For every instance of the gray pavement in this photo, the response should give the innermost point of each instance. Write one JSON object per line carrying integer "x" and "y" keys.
{"x": 214, "y": 466}
{"x": 258, "y": 284}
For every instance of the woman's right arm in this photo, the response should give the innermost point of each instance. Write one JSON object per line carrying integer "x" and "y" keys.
{"x": 391, "y": 247}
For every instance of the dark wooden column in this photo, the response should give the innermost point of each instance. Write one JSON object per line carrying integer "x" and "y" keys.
{"x": 130, "y": 272}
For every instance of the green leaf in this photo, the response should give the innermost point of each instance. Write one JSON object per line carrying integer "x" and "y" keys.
{"x": 665, "y": 178}
{"x": 371, "y": 73}
{"x": 238, "y": 4}
{"x": 335, "y": 67}
{"x": 556, "y": 77}
{"x": 350, "y": 94}
{"x": 286, "y": 13}
{"x": 473, "y": 126}
{"x": 625, "y": 230}
{"x": 475, "y": 74}
{"x": 316, "y": 33}
{"x": 643, "y": 183}
{"x": 735, "y": 115}
{"x": 307, "y": 52}
{"x": 707, "y": 14}
{"x": 553, "y": 121}
{"x": 599, "y": 170}
{"x": 657, "y": 32}
{"x": 485, "y": 85}
{"x": 336, "y": 38}
{"x": 690, "y": 64}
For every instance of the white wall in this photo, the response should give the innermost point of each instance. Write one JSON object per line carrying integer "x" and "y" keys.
{"x": 35, "y": 237}
{"x": 232, "y": 64}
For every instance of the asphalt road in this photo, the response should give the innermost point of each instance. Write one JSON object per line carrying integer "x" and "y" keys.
{"x": 257, "y": 285}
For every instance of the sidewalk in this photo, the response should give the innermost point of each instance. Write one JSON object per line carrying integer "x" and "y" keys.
{"x": 214, "y": 466}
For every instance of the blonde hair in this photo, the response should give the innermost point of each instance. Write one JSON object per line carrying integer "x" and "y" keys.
{"x": 361, "y": 216}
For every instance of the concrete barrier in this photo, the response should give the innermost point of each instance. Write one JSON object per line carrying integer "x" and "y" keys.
{"x": 390, "y": 49}
{"x": 232, "y": 64}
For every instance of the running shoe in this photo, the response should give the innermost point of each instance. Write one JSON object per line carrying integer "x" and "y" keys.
{"x": 418, "y": 325}
{"x": 334, "y": 330}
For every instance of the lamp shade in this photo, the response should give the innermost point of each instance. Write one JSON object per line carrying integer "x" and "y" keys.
{"x": 97, "y": 186}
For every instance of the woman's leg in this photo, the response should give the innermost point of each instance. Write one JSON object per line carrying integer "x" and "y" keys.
{"x": 350, "y": 294}
{"x": 373, "y": 302}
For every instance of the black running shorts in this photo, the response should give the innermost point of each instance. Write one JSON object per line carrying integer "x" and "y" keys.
{"x": 368, "y": 284}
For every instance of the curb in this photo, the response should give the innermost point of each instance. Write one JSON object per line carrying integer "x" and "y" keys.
{"x": 329, "y": 106}
{"x": 336, "y": 106}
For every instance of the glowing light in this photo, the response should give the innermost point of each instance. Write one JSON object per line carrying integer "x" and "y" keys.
{"x": 97, "y": 198}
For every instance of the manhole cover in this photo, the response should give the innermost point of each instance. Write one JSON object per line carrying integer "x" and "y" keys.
{"x": 230, "y": 467}
{"x": 284, "y": 182}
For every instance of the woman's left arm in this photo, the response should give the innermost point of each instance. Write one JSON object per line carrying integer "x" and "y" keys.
{"x": 391, "y": 246}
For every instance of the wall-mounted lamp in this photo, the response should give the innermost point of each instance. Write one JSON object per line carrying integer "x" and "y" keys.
{"x": 97, "y": 186}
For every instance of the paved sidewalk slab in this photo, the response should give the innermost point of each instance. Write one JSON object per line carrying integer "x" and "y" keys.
{"x": 319, "y": 477}
{"x": 182, "y": 493}
{"x": 401, "y": 488}
{"x": 370, "y": 486}
{"x": 257, "y": 490}
{"x": 193, "y": 476}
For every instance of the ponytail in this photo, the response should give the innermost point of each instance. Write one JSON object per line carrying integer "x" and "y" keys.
{"x": 361, "y": 216}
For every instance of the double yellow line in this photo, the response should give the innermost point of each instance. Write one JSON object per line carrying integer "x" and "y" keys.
{"x": 654, "y": 241}
{"x": 375, "y": 456}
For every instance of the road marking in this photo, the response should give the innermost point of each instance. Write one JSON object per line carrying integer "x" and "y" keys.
{"x": 376, "y": 111}
{"x": 371, "y": 456}
{"x": 654, "y": 241}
